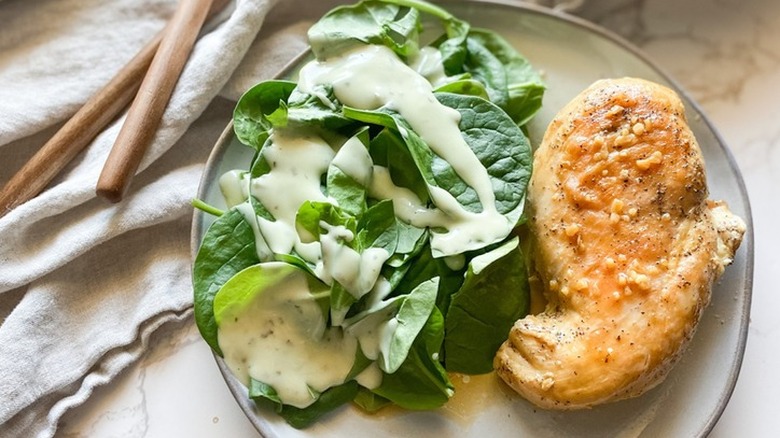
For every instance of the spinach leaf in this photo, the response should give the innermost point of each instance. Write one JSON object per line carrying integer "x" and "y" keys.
{"x": 327, "y": 402}
{"x": 421, "y": 154}
{"x": 453, "y": 45}
{"x": 305, "y": 110}
{"x": 394, "y": 272}
{"x": 237, "y": 293}
{"x": 410, "y": 319}
{"x": 411, "y": 240}
{"x": 381, "y": 117}
{"x": 243, "y": 287}
{"x": 388, "y": 149}
{"x": 506, "y": 76}
{"x": 311, "y": 213}
{"x": 260, "y": 165}
{"x": 525, "y": 100}
{"x": 297, "y": 261}
{"x": 400, "y": 318}
{"x": 349, "y": 195}
{"x": 349, "y": 191}
{"x": 378, "y": 228}
{"x": 494, "y": 295}
{"x": 421, "y": 269}
{"x": 264, "y": 395}
{"x": 261, "y": 108}
{"x": 469, "y": 87}
{"x": 340, "y": 303}
{"x": 300, "y": 418}
{"x": 454, "y": 49}
{"x": 260, "y": 210}
{"x": 369, "y": 319}
{"x": 420, "y": 382}
{"x": 370, "y": 402}
{"x": 431, "y": 339}
{"x": 495, "y": 139}
{"x": 499, "y": 145}
{"x": 227, "y": 248}
{"x": 484, "y": 66}
{"x": 449, "y": 282}
{"x": 361, "y": 363}
{"x": 511, "y": 81}
{"x": 278, "y": 104}
{"x": 368, "y": 22}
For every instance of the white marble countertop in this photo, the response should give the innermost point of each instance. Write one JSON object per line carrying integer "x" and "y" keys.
{"x": 726, "y": 53}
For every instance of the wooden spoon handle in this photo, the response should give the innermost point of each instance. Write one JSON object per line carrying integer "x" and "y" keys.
{"x": 147, "y": 109}
{"x": 102, "y": 108}
{"x": 79, "y": 131}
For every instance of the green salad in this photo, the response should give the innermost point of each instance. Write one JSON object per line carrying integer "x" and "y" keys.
{"x": 368, "y": 248}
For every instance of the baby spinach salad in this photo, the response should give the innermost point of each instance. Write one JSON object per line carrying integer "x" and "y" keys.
{"x": 368, "y": 249}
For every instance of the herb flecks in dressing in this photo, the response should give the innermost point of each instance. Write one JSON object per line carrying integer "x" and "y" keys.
{"x": 279, "y": 337}
{"x": 297, "y": 163}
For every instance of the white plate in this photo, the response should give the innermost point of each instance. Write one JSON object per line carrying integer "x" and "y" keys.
{"x": 572, "y": 54}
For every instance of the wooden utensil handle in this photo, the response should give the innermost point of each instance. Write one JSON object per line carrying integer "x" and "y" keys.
{"x": 79, "y": 131}
{"x": 147, "y": 109}
{"x": 96, "y": 113}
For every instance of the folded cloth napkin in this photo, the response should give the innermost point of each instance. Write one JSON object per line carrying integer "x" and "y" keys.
{"x": 83, "y": 282}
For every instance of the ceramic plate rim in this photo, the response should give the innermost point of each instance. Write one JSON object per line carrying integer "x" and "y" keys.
{"x": 211, "y": 166}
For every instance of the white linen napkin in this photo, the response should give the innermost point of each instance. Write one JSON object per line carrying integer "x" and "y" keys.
{"x": 83, "y": 282}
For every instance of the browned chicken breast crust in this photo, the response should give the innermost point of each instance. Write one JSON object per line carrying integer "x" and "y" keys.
{"x": 626, "y": 246}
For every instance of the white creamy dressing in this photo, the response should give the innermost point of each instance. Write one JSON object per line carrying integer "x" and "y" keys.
{"x": 274, "y": 339}
{"x": 465, "y": 230}
{"x": 264, "y": 253}
{"x": 370, "y": 77}
{"x": 374, "y": 328}
{"x": 427, "y": 63}
{"x": 406, "y": 205}
{"x": 455, "y": 262}
{"x": 297, "y": 163}
{"x": 371, "y": 377}
{"x": 381, "y": 290}
{"x": 280, "y": 338}
{"x": 234, "y": 186}
{"x": 353, "y": 159}
{"x": 357, "y": 272}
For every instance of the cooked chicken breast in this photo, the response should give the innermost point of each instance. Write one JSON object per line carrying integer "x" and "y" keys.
{"x": 626, "y": 246}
